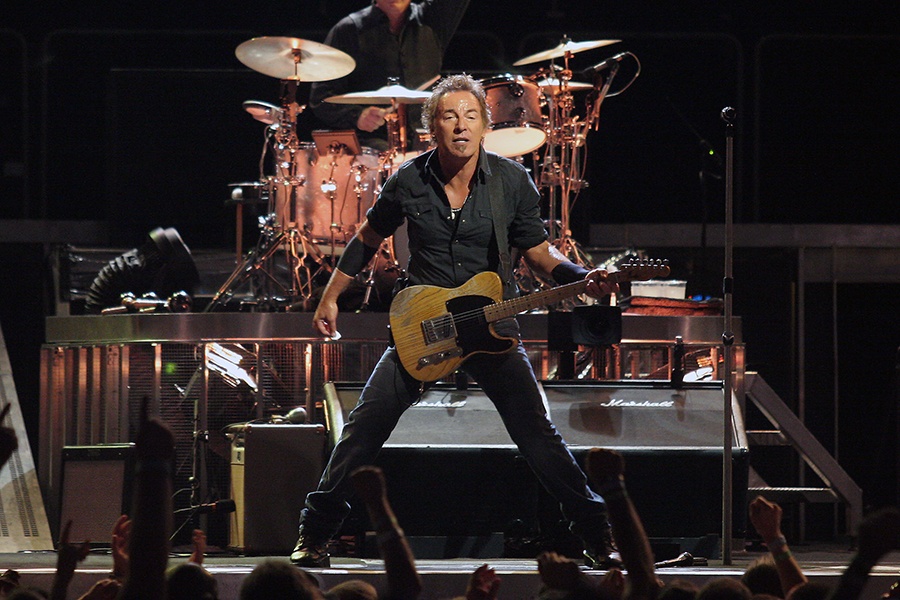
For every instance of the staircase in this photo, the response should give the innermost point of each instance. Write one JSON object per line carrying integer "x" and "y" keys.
{"x": 837, "y": 486}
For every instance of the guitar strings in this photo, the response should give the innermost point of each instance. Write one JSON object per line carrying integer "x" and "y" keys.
{"x": 463, "y": 318}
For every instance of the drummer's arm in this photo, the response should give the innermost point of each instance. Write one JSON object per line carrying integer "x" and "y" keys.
{"x": 356, "y": 256}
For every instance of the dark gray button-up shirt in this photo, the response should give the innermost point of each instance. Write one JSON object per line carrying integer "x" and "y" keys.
{"x": 447, "y": 251}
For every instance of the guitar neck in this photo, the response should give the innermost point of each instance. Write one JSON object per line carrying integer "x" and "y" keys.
{"x": 510, "y": 308}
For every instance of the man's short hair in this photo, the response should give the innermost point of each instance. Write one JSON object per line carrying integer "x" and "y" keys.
{"x": 448, "y": 85}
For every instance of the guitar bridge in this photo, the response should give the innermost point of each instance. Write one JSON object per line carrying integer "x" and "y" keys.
{"x": 439, "y": 357}
{"x": 438, "y": 329}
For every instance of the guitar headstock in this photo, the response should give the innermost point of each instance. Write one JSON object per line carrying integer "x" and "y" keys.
{"x": 641, "y": 269}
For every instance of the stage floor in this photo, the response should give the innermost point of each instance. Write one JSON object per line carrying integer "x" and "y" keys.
{"x": 444, "y": 579}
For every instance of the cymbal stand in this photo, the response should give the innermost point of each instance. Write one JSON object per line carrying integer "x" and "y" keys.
{"x": 563, "y": 165}
{"x": 396, "y": 126}
{"x": 285, "y": 192}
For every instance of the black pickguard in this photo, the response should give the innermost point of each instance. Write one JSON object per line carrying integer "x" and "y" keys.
{"x": 473, "y": 332}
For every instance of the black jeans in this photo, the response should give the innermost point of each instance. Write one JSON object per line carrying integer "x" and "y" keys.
{"x": 509, "y": 381}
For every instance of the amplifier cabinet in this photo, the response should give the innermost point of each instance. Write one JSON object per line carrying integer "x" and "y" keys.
{"x": 273, "y": 467}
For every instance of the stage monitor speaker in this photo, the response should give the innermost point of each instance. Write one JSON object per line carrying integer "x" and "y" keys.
{"x": 445, "y": 416}
{"x": 610, "y": 415}
{"x": 273, "y": 467}
{"x": 643, "y": 415}
{"x": 470, "y": 479}
{"x": 96, "y": 490}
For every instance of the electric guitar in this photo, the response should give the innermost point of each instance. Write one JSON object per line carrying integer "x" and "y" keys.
{"x": 436, "y": 329}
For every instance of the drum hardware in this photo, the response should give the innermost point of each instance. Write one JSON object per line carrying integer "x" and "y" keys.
{"x": 384, "y": 261}
{"x": 263, "y": 111}
{"x": 395, "y": 95}
{"x": 291, "y": 60}
{"x": 559, "y": 170}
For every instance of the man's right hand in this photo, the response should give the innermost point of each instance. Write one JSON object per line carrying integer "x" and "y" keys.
{"x": 325, "y": 318}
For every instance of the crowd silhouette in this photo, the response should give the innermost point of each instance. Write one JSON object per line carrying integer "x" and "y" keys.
{"x": 140, "y": 550}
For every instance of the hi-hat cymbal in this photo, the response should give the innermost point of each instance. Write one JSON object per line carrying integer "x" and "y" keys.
{"x": 294, "y": 59}
{"x": 385, "y": 95}
{"x": 568, "y": 46}
{"x": 552, "y": 85}
{"x": 263, "y": 111}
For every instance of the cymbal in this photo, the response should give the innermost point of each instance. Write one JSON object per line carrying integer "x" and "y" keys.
{"x": 263, "y": 111}
{"x": 552, "y": 85}
{"x": 294, "y": 59}
{"x": 566, "y": 47}
{"x": 385, "y": 95}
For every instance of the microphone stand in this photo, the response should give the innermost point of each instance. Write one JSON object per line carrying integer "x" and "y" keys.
{"x": 728, "y": 115}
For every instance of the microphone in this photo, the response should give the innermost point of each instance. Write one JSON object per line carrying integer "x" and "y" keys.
{"x": 220, "y": 506}
{"x": 602, "y": 66}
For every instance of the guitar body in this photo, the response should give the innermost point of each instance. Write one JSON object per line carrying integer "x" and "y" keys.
{"x": 436, "y": 329}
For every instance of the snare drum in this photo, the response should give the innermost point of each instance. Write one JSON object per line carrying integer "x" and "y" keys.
{"x": 517, "y": 125}
{"x": 325, "y": 195}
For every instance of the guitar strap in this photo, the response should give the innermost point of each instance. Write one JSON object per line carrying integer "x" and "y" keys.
{"x": 498, "y": 217}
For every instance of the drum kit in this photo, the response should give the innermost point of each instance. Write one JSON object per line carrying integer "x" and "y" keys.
{"x": 317, "y": 193}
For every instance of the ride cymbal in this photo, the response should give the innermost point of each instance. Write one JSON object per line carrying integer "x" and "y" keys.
{"x": 294, "y": 59}
{"x": 385, "y": 95}
{"x": 567, "y": 47}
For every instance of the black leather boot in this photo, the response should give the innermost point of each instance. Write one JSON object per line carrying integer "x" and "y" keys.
{"x": 600, "y": 552}
{"x": 310, "y": 552}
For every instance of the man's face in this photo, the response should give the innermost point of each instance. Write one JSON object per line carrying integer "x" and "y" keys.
{"x": 393, "y": 7}
{"x": 459, "y": 125}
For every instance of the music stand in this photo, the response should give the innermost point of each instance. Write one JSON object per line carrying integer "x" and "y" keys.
{"x": 329, "y": 141}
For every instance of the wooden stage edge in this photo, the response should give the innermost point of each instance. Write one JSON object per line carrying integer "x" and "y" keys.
{"x": 444, "y": 579}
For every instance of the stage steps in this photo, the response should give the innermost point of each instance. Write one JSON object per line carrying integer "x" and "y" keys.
{"x": 837, "y": 486}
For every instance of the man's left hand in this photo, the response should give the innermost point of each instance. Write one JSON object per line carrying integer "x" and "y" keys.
{"x": 598, "y": 285}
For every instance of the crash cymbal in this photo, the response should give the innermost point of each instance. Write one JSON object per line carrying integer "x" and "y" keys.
{"x": 551, "y": 85}
{"x": 386, "y": 95}
{"x": 566, "y": 47}
{"x": 294, "y": 59}
{"x": 263, "y": 111}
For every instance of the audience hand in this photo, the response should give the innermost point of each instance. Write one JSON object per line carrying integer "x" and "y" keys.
{"x": 105, "y": 589}
{"x": 69, "y": 555}
{"x": 612, "y": 584}
{"x": 602, "y": 463}
{"x": 484, "y": 584}
{"x": 368, "y": 481}
{"x": 120, "y": 538}
{"x": 198, "y": 541}
{"x": 558, "y": 572}
{"x": 766, "y": 518}
{"x": 8, "y": 440}
{"x": 67, "y": 558}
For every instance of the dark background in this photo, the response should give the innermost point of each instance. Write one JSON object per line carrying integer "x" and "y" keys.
{"x": 129, "y": 114}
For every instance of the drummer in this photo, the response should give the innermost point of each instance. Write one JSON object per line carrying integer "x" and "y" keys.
{"x": 388, "y": 39}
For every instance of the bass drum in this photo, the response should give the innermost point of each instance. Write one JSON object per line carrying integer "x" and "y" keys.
{"x": 517, "y": 125}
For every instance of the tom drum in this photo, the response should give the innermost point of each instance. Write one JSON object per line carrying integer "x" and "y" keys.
{"x": 517, "y": 125}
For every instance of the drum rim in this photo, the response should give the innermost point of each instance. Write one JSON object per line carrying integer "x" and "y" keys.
{"x": 506, "y": 78}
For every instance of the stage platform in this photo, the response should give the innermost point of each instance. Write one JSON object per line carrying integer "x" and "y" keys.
{"x": 444, "y": 579}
